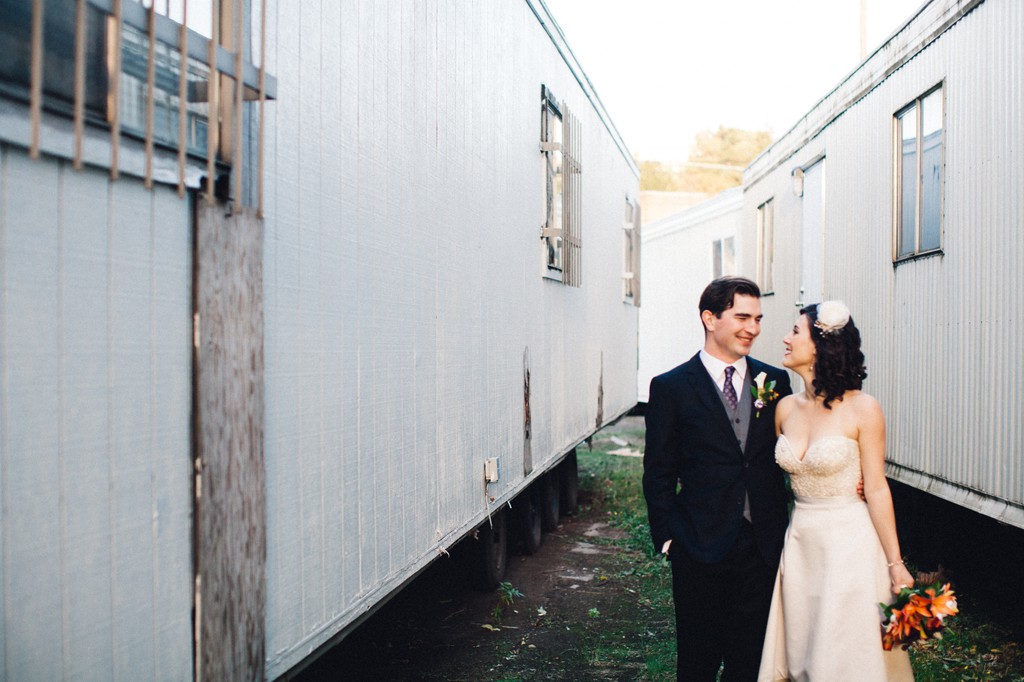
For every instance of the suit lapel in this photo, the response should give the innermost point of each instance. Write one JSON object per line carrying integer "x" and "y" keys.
{"x": 757, "y": 424}
{"x": 706, "y": 391}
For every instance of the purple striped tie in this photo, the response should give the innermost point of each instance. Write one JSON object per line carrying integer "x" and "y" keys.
{"x": 728, "y": 390}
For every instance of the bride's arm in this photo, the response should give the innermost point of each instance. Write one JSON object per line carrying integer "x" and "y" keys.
{"x": 871, "y": 436}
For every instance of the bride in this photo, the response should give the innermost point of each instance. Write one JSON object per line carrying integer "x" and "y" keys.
{"x": 841, "y": 556}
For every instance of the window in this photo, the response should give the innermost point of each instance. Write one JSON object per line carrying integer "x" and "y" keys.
{"x": 133, "y": 68}
{"x": 917, "y": 176}
{"x": 560, "y": 231}
{"x": 631, "y": 253}
{"x": 723, "y": 257}
{"x": 766, "y": 247}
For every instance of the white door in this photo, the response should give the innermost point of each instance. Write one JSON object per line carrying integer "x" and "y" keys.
{"x": 813, "y": 221}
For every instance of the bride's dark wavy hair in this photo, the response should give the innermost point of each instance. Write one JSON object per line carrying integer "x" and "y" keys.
{"x": 839, "y": 364}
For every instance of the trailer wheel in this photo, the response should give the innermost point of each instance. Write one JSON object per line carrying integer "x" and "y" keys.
{"x": 491, "y": 552}
{"x": 550, "y": 504}
{"x": 570, "y": 479}
{"x": 528, "y": 521}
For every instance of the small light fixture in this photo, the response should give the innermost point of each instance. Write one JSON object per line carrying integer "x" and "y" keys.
{"x": 798, "y": 182}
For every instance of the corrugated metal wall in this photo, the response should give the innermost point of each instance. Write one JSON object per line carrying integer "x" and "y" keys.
{"x": 403, "y": 283}
{"x": 95, "y": 399}
{"x": 677, "y": 267}
{"x": 943, "y": 335}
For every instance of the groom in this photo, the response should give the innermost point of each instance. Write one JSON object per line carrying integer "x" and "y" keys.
{"x": 716, "y": 500}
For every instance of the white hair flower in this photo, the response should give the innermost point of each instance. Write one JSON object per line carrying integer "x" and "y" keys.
{"x": 832, "y": 317}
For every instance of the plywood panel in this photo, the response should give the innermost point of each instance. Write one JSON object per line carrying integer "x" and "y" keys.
{"x": 231, "y": 523}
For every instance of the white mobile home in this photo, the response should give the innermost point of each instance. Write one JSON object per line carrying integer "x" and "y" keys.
{"x": 260, "y": 367}
{"x": 682, "y": 253}
{"x": 900, "y": 193}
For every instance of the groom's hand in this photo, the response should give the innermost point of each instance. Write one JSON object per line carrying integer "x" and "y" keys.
{"x": 860, "y": 490}
{"x": 668, "y": 543}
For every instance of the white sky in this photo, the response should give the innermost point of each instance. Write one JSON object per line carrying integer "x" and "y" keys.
{"x": 667, "y": 69}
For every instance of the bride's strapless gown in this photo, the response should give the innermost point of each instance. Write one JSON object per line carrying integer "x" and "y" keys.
{"x": 825, "y": 621}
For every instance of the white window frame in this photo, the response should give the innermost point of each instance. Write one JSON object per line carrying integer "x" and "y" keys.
{"x": 766, "y": 246}
{"x": 631, "y": 253}
{"x": 560, "y": 147}
{"x": 720, "y": 265}
{"x": 900, "y": 250}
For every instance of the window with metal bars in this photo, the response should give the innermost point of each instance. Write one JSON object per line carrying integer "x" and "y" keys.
{"x": 631, "y": 253}
{"x": 139, "y": 71}
{"x": 560, "y": 147}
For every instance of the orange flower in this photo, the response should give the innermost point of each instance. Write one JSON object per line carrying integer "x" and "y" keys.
{"x": 943, "y": 604}
{"x": 917, "y": 614}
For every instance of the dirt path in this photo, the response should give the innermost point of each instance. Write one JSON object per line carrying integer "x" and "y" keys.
{"x": 579, "y": 602}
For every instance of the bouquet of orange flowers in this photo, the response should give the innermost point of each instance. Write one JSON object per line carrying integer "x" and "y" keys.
{"x": 919, "y": 613}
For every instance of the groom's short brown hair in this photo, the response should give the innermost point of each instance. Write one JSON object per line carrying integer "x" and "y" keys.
{"x": 720, "y": 294}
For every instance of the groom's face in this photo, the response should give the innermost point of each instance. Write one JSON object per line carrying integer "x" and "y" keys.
{"x": 731, "y": 336}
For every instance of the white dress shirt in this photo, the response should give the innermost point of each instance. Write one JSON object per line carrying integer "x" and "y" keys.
{"x": 716, "y": 368}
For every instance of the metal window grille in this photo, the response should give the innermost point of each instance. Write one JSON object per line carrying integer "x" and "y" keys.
{"x": 572, "y": 213}
{"x": 631, "y": 254}
{"x": 142, "y": 73}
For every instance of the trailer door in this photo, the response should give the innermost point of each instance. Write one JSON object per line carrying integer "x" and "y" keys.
{"x": 811, "y": 233}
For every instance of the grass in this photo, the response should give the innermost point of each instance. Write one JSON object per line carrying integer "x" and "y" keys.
{"x": 973, "y": 648}
{"x": 640, "y": 636}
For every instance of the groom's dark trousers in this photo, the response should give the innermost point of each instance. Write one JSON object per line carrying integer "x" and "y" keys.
{"x": 713, "y": 488}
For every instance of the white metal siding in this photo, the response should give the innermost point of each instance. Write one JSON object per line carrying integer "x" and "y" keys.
{"x": 95, "y": 396}
{"x": 942, "y": 335}
{"x": 677, "y": 267}
{"x": 403, "y": 282}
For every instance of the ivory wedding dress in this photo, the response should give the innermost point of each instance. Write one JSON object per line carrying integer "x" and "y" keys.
{"x": 825, "y": 620}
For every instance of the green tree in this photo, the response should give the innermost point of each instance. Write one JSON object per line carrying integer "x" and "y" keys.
{"x": 657, "y": 176}
{"x": 730, "y": 148}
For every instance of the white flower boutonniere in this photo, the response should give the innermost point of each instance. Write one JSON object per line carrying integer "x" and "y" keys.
{"x": 763, "y": 393}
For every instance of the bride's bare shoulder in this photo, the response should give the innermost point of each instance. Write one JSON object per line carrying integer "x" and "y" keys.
{"x": 864, "y": 405}
{"x": 787, "y": 403}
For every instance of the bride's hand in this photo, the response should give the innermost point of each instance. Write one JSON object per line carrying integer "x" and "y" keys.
{"x": 900, "y": 577}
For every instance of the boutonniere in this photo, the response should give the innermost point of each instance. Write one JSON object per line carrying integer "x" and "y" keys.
{"x": 763, "y": 393}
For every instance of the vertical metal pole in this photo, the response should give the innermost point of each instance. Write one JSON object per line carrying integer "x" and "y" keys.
{"x": 150, "y": 88}
{"x": 213, "y": 104}
{"x": 263, "y": 99}
{"x": 79, "y": 110}
{"x": 35, "y": 102}
{"x": 182, "y": 95}
{"x": 114, "y": 98}
{"x": 236, "y": 124}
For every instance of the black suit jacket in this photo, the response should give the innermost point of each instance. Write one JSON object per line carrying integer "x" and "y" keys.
{"x": 690, "y": 441}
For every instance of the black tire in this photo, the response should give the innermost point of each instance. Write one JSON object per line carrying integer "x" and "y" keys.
{"x": 570, "y": 483}
{"x": 528, "y": 521}
{"x": 491, "y": 550}
{"x": 550, "y": 502}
